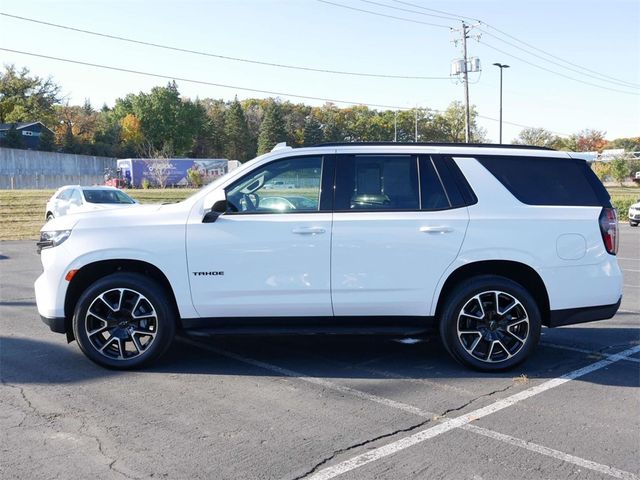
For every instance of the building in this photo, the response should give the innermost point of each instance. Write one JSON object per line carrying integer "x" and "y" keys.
{"x": 30, "y": 132}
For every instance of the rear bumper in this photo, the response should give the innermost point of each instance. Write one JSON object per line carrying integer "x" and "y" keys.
{"x": 569, "y": 316}
{"x": 56, "y": 324}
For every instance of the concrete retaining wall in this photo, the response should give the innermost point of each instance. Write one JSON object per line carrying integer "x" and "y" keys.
{"x": 22, "y": 169}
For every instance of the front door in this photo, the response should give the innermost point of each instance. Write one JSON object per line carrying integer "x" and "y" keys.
{"x": 269, "y": 255}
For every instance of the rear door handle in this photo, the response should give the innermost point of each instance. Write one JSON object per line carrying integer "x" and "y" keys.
{"x": 439, "y": 229}
{"x": 308, "y": 230}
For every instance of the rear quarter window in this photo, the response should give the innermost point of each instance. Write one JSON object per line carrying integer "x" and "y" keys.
{"x": 548, "y": 180}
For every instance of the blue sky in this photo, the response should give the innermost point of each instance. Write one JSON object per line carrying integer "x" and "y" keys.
{"x": 602, "y": 36}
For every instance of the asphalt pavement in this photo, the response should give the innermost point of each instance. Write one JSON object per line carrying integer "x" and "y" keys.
{"x": 318, "y": 407}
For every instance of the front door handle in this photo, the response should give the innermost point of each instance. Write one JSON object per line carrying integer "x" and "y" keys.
{"x": 308, "y": 230}
{"x": 439, "y": 229}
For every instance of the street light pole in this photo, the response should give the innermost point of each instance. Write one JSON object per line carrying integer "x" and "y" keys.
{"x": 501, "y": 67}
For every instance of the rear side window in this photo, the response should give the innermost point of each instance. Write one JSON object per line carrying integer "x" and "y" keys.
{"x": 548, "y": 181}
{"x": 377, "y": 182}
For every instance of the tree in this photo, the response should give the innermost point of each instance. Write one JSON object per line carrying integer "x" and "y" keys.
{"x": 236, "y": 133}
{"x": 12, "y": 139}
{"x": 312, "y": 133}
{"x": 131, "y": 131}
{"x": 629, "y": 144}
{"x": 272, "y": 128}
{"x": 165, "y": 119}
{"x": 601, "y": 169}
{"x": 590, "y": 141}
{"x": 619, "y": 169}
{"x": 538, "y": 137}
{"x": 26, "y": 98}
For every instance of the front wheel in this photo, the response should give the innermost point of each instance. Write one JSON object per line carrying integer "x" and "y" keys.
{"x": 124, "y": 321}
{"x": 633, "y": 224}
{"x": 490, "y": 323}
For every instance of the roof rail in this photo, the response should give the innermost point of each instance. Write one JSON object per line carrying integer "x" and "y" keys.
{"x": 434, "y": 144}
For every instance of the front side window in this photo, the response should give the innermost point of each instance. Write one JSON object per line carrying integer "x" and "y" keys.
{"x": 284, "y": 186}
{"x": 377, "y": 182}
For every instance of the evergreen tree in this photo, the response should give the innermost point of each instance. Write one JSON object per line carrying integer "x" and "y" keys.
{"x": 272, "y": 128}
{"x": 13, "y": 138}
{"x": 312, "y": 132}
{"x": 236, "y": 133}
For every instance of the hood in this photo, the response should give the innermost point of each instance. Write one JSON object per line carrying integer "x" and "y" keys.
{"x": 101, "y": 216}
{"x": 635, "y": 205}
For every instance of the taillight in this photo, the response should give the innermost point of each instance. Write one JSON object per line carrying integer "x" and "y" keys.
{"x": 608, "y": 221}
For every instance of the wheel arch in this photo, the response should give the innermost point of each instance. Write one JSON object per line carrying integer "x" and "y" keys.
{"x": 91, "y": 272}
{"x": 516, "y": 271}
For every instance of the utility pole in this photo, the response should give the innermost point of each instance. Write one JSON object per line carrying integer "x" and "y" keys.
{"x": 462, "y": 67}
{"x": 467, "y": 114}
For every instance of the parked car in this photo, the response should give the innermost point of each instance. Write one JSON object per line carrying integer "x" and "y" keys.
{"x": 76, "y": 199}
{"x": 279, "y": 185}
{"x": 487, "y": 243}
{"x": 634, "y": 214}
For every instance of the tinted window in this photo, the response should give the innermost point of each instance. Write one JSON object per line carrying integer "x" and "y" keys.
{"x": 377, "y": 182}
{"x": 431, "y": 189}
{"x": 548, "y": 181}
{"x": 106, "y": 196}
{"x": 283, "y": 186}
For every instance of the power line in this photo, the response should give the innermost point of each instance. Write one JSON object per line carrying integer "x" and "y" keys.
{"x": 407, "y": 10}
{"x": 234, "y": 87}
{"x": 502, "y": 32}
{"x": 384, "y": 15}
{"x": 223, "y": 57}
{"x": 558, "y": 58}
{"x": 556, "y": 73}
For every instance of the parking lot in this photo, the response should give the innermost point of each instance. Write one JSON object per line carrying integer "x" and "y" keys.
{"x": 318, "y": 407}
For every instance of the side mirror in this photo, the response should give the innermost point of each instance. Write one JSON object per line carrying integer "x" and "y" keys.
{"x": 218, "y": 209}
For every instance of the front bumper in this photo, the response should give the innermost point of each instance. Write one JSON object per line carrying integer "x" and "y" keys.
{"x": 570, "y": 316}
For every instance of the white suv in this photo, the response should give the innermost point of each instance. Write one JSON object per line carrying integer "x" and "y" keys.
{"x": 488, "y": 243}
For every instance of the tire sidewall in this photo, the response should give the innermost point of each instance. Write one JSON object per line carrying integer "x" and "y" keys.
{"x": 461, "y": 295}
{"x": 154, "y": 294}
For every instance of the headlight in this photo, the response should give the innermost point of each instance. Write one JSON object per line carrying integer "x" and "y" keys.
{"x": 52, "y": 239}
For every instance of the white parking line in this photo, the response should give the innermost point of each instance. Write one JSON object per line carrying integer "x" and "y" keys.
{"x": 627, "y": 258}
{"x": 589, "y": 352}
{"x": 423, "y": 413}
{"x": 550, "y": 452}
{"x": 630, "y": 270}
{"x": 631, "y": 286}
{"x": 423, "y": 435}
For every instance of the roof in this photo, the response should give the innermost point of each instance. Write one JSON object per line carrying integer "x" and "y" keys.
{"x": 20, "y": 125}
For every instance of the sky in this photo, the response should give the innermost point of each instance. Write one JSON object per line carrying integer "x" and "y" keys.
{"x": 597, "y": 38}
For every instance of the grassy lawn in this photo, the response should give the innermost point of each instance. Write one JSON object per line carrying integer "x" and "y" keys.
{"x": 22, "y": 211}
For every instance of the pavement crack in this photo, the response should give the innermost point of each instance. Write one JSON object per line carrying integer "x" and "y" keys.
{"x": 456, "y": 409}
{"x": 340, "y": 451}
{"x": 82, "y": 430}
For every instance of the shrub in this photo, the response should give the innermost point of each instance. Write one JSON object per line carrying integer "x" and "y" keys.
{"x": 146, "y": 184}
{"x": 622, "y": 204}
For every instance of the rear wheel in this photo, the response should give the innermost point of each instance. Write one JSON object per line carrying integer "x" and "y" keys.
{"x": 490, "y": 323}
{"x": 123, "y": 321}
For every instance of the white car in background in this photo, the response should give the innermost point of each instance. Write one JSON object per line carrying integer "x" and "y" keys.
{"x": 75, "y": 199}
{"x": 634, "y": 213}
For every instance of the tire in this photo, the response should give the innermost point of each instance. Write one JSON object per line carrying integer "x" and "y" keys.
{"x": 49, "y": 216}
{"x": 633, "y": 224}
{"x": 483, "y": 337}
{"x": 124, "y": 321}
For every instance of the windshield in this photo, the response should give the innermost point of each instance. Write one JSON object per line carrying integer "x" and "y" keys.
{"x": 107, "y": 196}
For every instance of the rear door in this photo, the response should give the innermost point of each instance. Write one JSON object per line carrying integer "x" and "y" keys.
{"x": 395, "y": 231}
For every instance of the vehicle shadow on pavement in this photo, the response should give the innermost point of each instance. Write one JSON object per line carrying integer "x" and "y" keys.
{"x": 24, "y": 360}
